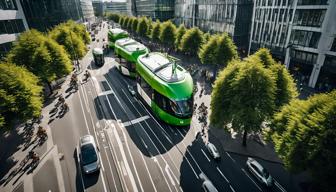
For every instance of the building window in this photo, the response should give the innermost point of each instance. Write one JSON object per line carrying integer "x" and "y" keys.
{"x": 303, "y": 57}
{"x": 333, "y": 46}
{"x": 313, "y": 18}
{"x": 330, "y": 61}
{"x": 4, "y": 48}
{"x": 305, "y": 38}
{"x": 312, "y": 2}
{"x": 11, "y": 26}
{"x": 8, "y": 5}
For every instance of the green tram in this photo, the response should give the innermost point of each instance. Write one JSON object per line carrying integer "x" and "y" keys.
{"x": 115, "y": 34}
{"x": 166, "y": 87}
{"x": 130, "y": 50}
{"x": 98, "y": 57}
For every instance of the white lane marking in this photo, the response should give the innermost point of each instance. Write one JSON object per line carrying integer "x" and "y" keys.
{"x": 134, "y": 121}
{"x": 129, "y": 151}
{"x": 167, "y": 169}
{"x": 228, "y": 154}
{"x": 123, "y": 169}
{"x": 106, "y": 93}
{"x": 251, "y": 179}
{"x": 87, "y": 127}
{"x": 131, "y": 176}
{"x": 279, "y": 186}
{"x": 232, "y": 188}
{"x": 158, "y": 164}
{"x": 205, "y": 155}
{"x": 220, "y": 172}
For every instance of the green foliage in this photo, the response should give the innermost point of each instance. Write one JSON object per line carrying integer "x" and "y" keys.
{"x": 206, "y": 37}
{"x": 80, "y": 30}
{"x": 179, "y": 34}
{"x": 125, "y": 21}
{"x": 113, "y": 16}
{"x": 40, "y": 55}
{"x": 155, "y": 35}
{"x": 265, "y": 57}
{"x": 71, "y": 41}
{"x": 20, "y": 94}
{"x": 305, "y": 137}
{"x": 168, "y": 33}
{"x": 122, "y": 21}
{"x": 129, "y": 21}
{"x": 286, "y": 88}
{"x": 227, "y": 50}
{"x": 191, "y": 41}
{"x": 243, "y": 94}
{"x": 149, "y": 28}
{"x": 142, "y": 27}
{"x": 135, "y": 23}
{"x": 208, "y": 51}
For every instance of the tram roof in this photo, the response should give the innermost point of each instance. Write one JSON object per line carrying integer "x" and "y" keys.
{"x": 162, "y": 66}
{"x": 117, "y": 31}
{"x": 130, "y": 45}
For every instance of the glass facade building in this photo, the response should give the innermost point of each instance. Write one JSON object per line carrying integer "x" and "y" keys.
{"x": 300, "y": 33}
{"x": 117, "y": 7}
{"x": 42, "y": 14}
{"x": 12, "y": 23}
{"x": 231, "y": 16}
{"x": 155, "y": 9}
{"x": 87, "y": 13}
{"x": 98, "y": 7}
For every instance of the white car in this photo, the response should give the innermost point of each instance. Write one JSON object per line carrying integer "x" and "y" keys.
{"x": 131, "y": 90}
{"x": 259, "y": 172}
{"x": 213, "y": 151}
{"x": 207, "y": 185}
{"x": 88, "y": 154}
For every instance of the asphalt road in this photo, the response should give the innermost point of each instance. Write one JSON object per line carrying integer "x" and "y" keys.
{"x": 138, "y": 152}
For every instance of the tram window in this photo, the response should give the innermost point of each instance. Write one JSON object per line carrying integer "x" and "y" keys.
{"x": 146, "y": 87}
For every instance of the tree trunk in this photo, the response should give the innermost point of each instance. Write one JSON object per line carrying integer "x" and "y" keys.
{"x": 244, "y": 138}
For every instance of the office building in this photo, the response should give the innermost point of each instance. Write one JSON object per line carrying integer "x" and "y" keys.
{"x": 231, "y": 16}
{"x": 12, "y": 23}
{"x": 98, "y": 7}
{"x": 43, "y": 15}
{"x": 155, "y": 9}
{"x": 120, "y": 7}
{"x": 87, "y": 11}
{"x": 300, "y": 33}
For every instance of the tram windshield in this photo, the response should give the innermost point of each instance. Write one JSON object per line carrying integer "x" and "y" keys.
{"x": 182, "y": 107}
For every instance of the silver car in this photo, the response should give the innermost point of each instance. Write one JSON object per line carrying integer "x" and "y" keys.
{"x": 213, "y": 151}
{"x": 207, "y": 185}
{"x": 88, "y": 154}
{"x": 259, "y": 172}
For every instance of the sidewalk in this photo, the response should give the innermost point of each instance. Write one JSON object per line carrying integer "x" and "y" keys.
{"x": 16, "y": 173}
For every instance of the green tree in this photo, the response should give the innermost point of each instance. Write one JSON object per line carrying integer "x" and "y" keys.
{"x": 206, "y": 37}
{"x": 129, "y": 21}
{"x": 122, "y": 21}
{"x": 179, "y": 34}
{"x": 142, "y": 27}
{"x": 72, "y": 43}
{"x": 150, "y": 27}
{"x": 20, "y": 94}
{"x": 191, "y": 41}
{"x": 135, "y": 23}
{"x": 80, "y": 30}
{"x": 286, "y": 88}
{"x": 155, "y": 35}
{"x": 227, "y": 50}
{"x": 40, "y": 55}
{"x": 243, "y": 95}
{"x": 305, "y": 137}
{"x": 208, "y": 51}
{"x": 168, "y": 33}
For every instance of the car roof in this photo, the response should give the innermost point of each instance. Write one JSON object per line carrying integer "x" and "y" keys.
{"x": 257, "y": 164}
{"x": 210, "y": 186}
{"x": 86, "y": 139}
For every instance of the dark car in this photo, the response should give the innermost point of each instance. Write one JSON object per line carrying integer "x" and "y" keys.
{"x": 88, "y": 154}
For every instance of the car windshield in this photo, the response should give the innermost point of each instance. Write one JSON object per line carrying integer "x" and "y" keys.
{"x": 88, "y": 154}
{"x": 182, "y": 107}
{"x": 265, "y": 173}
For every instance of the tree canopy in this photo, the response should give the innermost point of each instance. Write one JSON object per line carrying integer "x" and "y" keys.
{"x": 209, "y": 50}
{"x": 80, "y": 30}
{"x": 135, "y": 22}
{"x": 179, "y": 34}
{"x": 227, "y": 50}
{"x": 304, "y": 133}
{"x": 191, "y": 41}
{"x": 243, "y": 95}
{"x": 168, "y": 33}
{"x": 72, "y": 42}
{"x": 155, "y": 35}
{"x": 40, "y": 55}
{"x": 142, "y": 27}
{"x": 20, "y": 94}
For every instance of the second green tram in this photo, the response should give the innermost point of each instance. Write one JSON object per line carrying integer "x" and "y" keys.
{"x": 129, "y": 50}
{"x": 166, "y": 87}
{"x": 115, "y": 34}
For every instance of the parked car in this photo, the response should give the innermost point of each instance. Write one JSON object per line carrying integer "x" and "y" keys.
{"x": 131, "y": 90}
{"x": 88, "y": 154}
{"x": 259, "y": 172}
{"x": 213, "y": 151}
{"x": 207, "y": 185}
